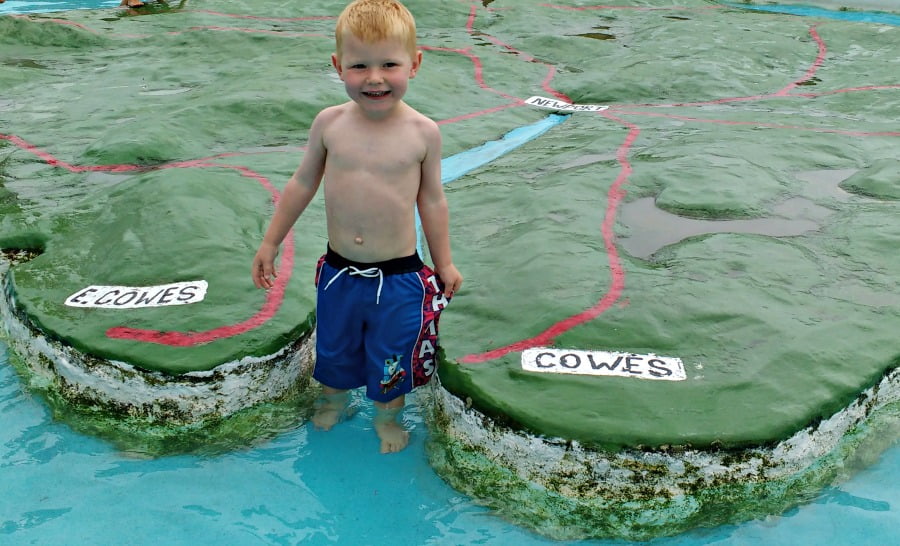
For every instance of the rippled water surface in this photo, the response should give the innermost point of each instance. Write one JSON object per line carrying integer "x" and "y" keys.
{"x": 304, "y": 486}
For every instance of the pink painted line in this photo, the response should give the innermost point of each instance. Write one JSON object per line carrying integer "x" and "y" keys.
{"x": 470, "y": 22}
{"x": 591, "y": 8}
{"x": 846, "y": 90}
{"x": 517, "y": 102}
{"x": 273, "y": 301}
{"x": 820, "y": 58}
{"x": 225, "y": 155}
{"x": 274, "y": 297}
{"x": 79, "y": 26}
{"x": 633, "y": 8}
{"x": 479, "y": 71}
{"x": 57, "y": 21}
{"x": 616, "y": 194}
{"x": 260, "y": 18}
{"x": 784, "y": 92}
{"x": 725, "y": 100}
{"x": 762, "y": 125}
{"x": 614, "y": 197}
{"x": 551, "y": 70}
{"x": 282, "y": 33}
{"x": 545, "y": 85}
{"x": 53, "y": 161}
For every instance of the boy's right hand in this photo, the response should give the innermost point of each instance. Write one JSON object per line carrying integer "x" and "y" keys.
{"x": 263, "y": 270}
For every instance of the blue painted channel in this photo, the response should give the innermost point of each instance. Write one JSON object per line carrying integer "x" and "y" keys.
{"x": 48, "y": 6}
{"x": 879, "y": 17}
{"x": 465, "y": 162}
{"x": 462, "y": 163}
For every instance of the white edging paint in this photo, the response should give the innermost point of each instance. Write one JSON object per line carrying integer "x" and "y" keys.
{"x": 135, "y": 297}
{"x": 579, "y": 362}
{"x": 560, "y": 106}
{"x": 184, "y": 399}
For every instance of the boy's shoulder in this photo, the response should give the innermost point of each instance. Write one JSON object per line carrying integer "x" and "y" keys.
{"x": 414, "y": 114}
{"x": 421, "y": 121}
{"x": 331, "y": 113}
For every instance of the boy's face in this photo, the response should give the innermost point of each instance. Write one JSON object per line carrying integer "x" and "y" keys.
{"x": 376, "y": 75}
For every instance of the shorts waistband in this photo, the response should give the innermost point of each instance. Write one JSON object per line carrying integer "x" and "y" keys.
{"x": 394, "y": 266}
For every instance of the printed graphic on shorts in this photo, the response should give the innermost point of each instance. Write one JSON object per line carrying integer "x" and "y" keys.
{"x": 424, "y": 358}
{"x": 393, "y": 374}
{"x": 319, "y": 270}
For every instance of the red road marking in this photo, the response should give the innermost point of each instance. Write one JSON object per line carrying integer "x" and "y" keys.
{"x": 274, "y": 296}
{"x": 613, "y": 198}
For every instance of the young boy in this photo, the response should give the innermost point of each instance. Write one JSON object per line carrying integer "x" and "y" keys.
{"x": 377, "y": 304}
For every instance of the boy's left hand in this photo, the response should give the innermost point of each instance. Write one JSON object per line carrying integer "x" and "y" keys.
{"x": 451, "y": 278}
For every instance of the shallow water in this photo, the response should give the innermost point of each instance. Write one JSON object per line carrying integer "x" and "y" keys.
{"x": 308, "y": 487}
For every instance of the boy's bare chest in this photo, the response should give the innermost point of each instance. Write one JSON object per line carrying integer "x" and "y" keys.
{"x": 373, "y": 155}
{"x": 390, "y": 152}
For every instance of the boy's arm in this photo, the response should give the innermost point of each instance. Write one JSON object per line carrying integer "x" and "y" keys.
{"x": 435, "y": 214}
{"x": 297, "y": 194}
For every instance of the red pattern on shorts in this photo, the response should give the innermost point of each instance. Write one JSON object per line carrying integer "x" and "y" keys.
{"x": 424, "y": 356}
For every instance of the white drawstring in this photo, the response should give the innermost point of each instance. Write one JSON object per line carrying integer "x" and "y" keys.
{"x": 370, "y": 273}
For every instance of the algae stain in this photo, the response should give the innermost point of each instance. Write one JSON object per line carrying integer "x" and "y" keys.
{"x": 599, "y": 35}
{"x": 21, "y": 255}
{"x": 135, "y": 436}
{"x": 595, "y": 36}
{"x": 24, "y": 63}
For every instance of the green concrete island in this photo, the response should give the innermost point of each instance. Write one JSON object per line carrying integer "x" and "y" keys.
{"x": 681, "y": 303}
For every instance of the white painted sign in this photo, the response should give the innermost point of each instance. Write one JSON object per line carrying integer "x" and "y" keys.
{"x": 574, "y": 361}
{"x": 553, "y": 104}
{"x": 134, "y": 297}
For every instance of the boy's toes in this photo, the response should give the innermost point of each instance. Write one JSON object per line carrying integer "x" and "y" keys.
{"x": 393, "y": 436}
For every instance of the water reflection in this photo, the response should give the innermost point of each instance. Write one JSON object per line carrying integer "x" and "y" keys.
{"x": 837, "y": 495}
{"x": 649, "y": 228}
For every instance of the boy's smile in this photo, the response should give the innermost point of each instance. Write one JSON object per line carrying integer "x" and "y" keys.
{"x": 376, "y": 75}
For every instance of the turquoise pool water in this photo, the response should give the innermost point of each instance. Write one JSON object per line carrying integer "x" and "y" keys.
{"x": 43, "y": 6}
{"x": 314, "y": 488}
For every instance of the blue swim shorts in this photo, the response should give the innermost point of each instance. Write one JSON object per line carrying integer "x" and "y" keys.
{"x": 376, "y": 324}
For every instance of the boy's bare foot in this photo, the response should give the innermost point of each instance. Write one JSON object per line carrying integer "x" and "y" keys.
{"x": 331, "y": 409}
{"x": 393, "y": 436}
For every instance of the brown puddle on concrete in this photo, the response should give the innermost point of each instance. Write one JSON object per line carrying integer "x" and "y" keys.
{"x": 650, "y": 228}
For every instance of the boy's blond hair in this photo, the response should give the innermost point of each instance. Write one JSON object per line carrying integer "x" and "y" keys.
{"x": 376, "y": 20}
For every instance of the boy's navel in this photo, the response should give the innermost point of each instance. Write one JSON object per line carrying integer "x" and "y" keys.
{"x": 358, "y": 240}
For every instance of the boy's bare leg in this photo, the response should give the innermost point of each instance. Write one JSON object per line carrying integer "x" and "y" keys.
{"x": 331, "y": 408}
{"x": 393, "y": 436}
